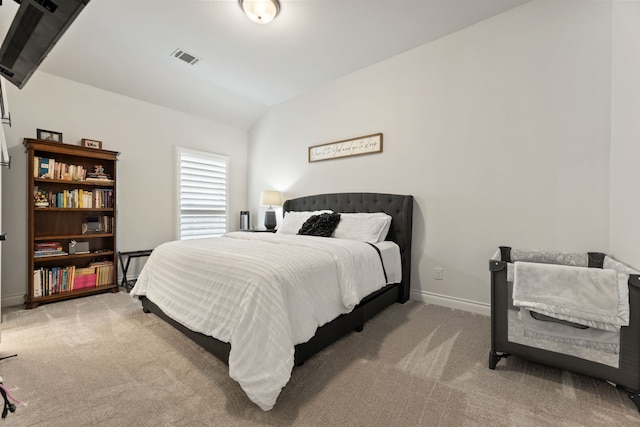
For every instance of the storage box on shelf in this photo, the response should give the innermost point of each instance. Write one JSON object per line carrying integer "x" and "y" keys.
{"x": 71, "y": 199}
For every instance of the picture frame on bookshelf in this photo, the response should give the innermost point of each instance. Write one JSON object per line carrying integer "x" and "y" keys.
{"x": 91, "y": 143}
{"x": 92, "y": 224}
{"x": 49, "y": 135}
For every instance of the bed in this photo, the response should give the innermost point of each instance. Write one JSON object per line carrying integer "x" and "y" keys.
{"x": 265, "y": 291}
{"x": 518, "y": 328}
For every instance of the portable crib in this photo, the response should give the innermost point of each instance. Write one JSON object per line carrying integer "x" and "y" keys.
{"x": 621, "y": 369}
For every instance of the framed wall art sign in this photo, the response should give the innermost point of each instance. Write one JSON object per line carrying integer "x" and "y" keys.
{"x": 367, "y": 144}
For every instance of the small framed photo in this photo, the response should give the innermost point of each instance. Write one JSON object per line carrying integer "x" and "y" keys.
{"x": 91, "y": 143}
{"x": 48, "y": 135}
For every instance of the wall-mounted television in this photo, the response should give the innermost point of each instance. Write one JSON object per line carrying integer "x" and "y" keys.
{"x": 36, "y": 28}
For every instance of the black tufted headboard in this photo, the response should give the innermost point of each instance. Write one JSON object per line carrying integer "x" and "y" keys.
{"x": 400, "y": 207}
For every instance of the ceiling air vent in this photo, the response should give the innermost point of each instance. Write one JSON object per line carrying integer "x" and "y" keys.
{"x": 185, "y": 56}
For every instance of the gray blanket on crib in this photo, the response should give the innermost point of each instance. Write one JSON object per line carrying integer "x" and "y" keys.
{"x": 587, "y": 296}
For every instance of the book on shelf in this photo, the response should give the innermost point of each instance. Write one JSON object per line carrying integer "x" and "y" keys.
{"x": 77, "y": 198}
{"x": 107, "y": 223}
{"x": 43, "y": 168}
{"x": 52, "y": 169}
{"x": 37, "y": 282}
{"x": 45, "y": 249}
{"x": 98, "y": 179}
{"x": 85, "y": 281}
{"x": 42, "y": 254}
{"x": 84, "y": 277}
{"x": 104, "y": 271}
{"x": 48, "y": 245}
{"x": 54, "y": 280}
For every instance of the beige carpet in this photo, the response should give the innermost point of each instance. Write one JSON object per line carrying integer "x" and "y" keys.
{"x": 101, "y": 361}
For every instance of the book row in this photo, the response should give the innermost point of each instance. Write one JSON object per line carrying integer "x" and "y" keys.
{"x": 77, "y": 198}
{"x": 55, "y": 280}
{"x": 48, "y": 168}
{"x": 51, "y": 169}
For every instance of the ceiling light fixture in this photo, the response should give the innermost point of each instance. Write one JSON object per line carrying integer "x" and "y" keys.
{"x": 260, "y": 11}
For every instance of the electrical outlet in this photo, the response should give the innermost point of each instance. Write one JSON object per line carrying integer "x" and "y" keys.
{"x": 438, "y": 273}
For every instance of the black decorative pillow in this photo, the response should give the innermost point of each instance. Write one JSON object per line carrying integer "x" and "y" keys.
{"x": 321, "y": 225}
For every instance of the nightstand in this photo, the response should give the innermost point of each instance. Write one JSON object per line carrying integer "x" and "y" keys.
{"x": 259, "y": 230}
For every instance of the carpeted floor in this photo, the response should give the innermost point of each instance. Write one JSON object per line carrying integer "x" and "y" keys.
{"x": 101, "y": 361}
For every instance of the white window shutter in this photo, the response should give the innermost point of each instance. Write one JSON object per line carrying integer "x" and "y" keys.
{"x": 203, "y": 194}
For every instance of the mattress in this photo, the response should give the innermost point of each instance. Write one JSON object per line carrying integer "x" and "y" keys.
{"x": 263, "y": 293}
{"x": 390, "y": 254}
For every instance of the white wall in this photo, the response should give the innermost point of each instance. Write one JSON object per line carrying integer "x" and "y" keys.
{"x": 521, "y": 130}
{"x": 500, "y": 131}
{"x": 625, "y": 133}
{"x": 143, "y": 133}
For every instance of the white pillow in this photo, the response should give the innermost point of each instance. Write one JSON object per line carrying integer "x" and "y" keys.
{"x": 293, "y": 220}
{"x": 365, "y": 227}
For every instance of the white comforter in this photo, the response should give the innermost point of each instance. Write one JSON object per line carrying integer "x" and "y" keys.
{"x": 262, "y": 293}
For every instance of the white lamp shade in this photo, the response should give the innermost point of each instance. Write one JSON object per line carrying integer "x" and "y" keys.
{"x": 270, "y": 198}
{"x": 260, "y": 11}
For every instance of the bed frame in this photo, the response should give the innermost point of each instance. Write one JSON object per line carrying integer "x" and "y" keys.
{"x": 400, "y": 207}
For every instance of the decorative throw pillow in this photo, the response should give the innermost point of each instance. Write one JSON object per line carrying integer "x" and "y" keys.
{"x": 320, "y": 225}
{"x": 293, "y": 220}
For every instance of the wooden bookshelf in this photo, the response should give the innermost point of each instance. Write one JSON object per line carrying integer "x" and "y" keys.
{"x": 71, "y": 202}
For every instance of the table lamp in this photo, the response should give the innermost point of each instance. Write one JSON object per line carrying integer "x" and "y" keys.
{"x": 270, "y": 198}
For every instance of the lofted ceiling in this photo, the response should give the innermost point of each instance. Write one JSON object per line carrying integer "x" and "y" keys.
{"x": 126, "y": 46}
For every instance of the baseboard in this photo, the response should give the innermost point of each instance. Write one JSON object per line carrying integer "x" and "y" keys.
{"x": 451, "y": 302}
{"x": 416, "y": 295}
{"x": 18, "y": 299}
{"x": 12, "y": 300}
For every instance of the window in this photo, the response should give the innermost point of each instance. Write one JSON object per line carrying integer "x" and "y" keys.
{"x": 202, "y": 192}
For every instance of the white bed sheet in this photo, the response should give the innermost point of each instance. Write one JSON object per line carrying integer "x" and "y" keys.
{"x": 390, "y": 254}
{"x": 262, "y": 293}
